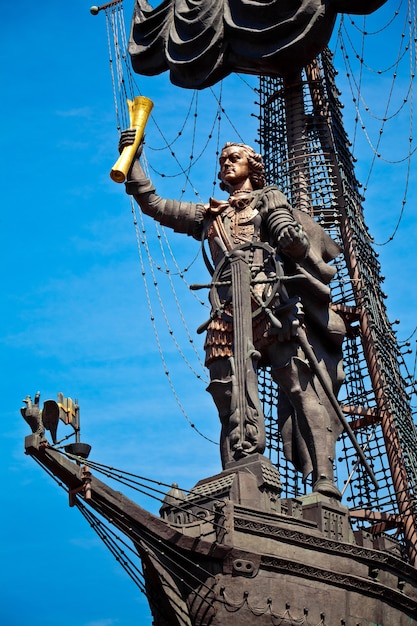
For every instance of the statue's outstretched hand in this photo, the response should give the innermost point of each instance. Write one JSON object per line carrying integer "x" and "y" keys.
{"x": 127, "y": 138}
{"x": 293, "y": 241}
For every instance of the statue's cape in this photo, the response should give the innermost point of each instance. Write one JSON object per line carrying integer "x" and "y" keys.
{"x": 202, "y": 41}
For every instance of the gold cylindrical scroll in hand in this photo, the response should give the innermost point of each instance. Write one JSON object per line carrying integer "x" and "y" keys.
{"x": 139, "y": 110}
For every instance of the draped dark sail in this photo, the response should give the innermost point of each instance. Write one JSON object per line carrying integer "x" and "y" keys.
{"x": 201, "y": 41}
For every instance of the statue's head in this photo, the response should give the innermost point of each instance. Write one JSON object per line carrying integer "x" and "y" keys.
{"x": 256, "y": 168}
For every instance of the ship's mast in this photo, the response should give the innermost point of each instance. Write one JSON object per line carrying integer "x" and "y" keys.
{"x": 305, "y": 147}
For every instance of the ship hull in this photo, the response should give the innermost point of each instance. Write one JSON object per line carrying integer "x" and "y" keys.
{"x": 233, "y": 553}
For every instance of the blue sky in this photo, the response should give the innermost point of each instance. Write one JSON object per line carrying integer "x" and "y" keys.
{"x": 74, "y": 316}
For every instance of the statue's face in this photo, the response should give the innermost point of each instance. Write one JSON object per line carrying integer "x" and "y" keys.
{"x": 234, "y": 166}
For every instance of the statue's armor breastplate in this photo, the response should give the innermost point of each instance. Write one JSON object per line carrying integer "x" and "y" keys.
{"x": 236, "y": 223}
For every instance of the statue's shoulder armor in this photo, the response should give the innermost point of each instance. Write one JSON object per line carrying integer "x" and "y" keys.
{"x": 271, "y": 194}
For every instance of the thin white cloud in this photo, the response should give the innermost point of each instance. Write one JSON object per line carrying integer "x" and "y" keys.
{"x": 81, "y": 112}
{"x": 107, "y": 621}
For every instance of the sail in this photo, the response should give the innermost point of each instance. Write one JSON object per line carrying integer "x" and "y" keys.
{"x": 200, "y": 43}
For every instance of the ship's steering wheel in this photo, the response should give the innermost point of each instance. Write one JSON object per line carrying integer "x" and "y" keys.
{"x": 270, "y": 269}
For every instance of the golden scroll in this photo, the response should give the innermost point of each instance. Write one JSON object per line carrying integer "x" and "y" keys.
{"x": 139, "y": 110}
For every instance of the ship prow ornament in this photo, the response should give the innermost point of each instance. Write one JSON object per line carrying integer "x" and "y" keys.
{"x": 240, "y": 548}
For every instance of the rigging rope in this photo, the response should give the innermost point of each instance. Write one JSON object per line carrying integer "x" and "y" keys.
{"x": 156, "y": 333}
{"x": 406, "y": 49}
{"x": 124, "y": 86}
{"x": 139, "y": 483}
{"x": 169, "y": 557}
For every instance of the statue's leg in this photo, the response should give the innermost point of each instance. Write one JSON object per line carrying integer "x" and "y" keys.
{"x": 220, "y": 388}
{"x": 310, "y": 430}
